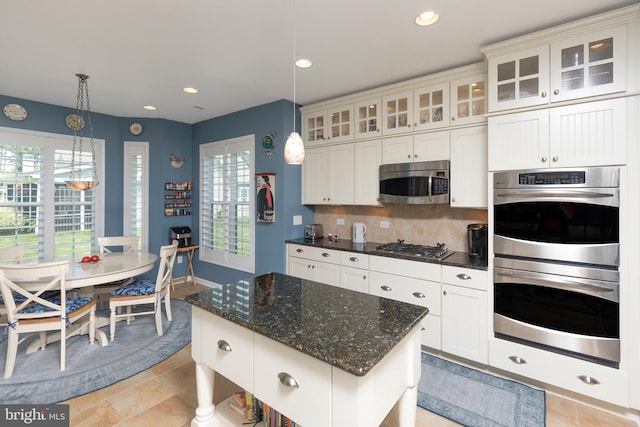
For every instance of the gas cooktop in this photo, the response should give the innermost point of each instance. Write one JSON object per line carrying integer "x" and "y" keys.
{"x": 438, "y": 252}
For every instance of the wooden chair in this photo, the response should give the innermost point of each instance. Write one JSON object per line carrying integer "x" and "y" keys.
{"x": 14, "y": 255}
{"x": 146, "y": 292}
{"x": 33, "y": 313}
{"x": 107, "y": 245}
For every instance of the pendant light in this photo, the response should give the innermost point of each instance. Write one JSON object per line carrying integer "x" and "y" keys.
{"x": 78, "y": 180}
{"x": 294, "y": 147}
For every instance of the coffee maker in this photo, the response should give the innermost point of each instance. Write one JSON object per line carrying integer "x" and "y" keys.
{"x": 477, "y": 240}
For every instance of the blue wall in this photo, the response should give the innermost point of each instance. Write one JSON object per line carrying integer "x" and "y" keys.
{"x": 183, "y": 140}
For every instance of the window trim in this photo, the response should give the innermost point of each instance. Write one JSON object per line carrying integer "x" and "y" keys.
{"x": 140, "y": 148}
{"x": 242, "y": 143}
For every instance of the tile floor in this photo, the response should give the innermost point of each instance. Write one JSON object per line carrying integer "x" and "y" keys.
{"x": 165, "y": 395}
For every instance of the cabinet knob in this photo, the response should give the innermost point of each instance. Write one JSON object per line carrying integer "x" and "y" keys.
{"x": 353, "y": 259}
{"x": 518, "y": 360}
{"x": 408, "y": 156}
{"x": 224, "y": 346}
{"x": 463, "y": 276}
{"x": 288, "y": 380}
{"x": 555, "y": 158}
{"x": 543, "y": 159}
{"x": 543, "y": 94}
{"x": 309, "y": 266}
{"x": 385, "y": 288}
{"x": 453, "y": 119}
{"x": 415, "y": 155}
{"x": 419, "y": 295}
{"x": 453, "y": 200}
{"x": 444, "y": 293}
{"x": 364, "y": 277}
{"x": 588, "y": 380}
{"x": 555, "y": 92}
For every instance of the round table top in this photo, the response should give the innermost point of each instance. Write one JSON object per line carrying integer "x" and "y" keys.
{"x": 111, "y": 267}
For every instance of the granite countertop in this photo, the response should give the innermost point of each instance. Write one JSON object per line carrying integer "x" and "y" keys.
{"x": 347, "y": 329}
{"x": 457, "y": 259}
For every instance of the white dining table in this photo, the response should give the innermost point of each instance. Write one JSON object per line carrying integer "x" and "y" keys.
{"x": 110, "y": 268}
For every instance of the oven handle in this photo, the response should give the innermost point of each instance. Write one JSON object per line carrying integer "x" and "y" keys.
{"x": 430, "y": 189}
{"x": 568, "y": 194}
{"x": 565, "y": 284}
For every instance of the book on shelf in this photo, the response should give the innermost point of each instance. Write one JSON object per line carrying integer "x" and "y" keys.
{"x": 273, "y": 418}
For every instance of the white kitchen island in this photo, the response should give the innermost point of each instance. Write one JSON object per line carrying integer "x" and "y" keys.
{"x": 320, "y": 355}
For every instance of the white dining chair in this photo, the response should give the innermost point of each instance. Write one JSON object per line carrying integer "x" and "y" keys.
{"x": 146, "y": 292}
{"x": 33, "y": 313}
{"x": 110, "y": 244}
{"x": 10, "y": 255}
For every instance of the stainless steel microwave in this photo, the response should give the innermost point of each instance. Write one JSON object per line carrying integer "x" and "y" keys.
{"x": 418, "y": 183}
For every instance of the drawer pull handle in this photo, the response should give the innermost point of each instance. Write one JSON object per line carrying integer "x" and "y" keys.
{"x": 463, "y": 276}
{"x": 288, "y": 380}
{"x": 299, "y": 250}
{"x": 353, "y": 259}
{"x": 385, "y": 288}
{"x": 326, "y": 255}
{"x": 518, "y": 360}
{"x": 224, "y": 346}
{"x": 588, "y": 380}
{"x": 419, "y": 295}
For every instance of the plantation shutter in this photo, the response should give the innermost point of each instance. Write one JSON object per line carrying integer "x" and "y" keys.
{"x": 136, "y": 186}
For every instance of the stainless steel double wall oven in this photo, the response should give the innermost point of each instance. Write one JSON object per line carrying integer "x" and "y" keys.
{"x": 556, "y": 245}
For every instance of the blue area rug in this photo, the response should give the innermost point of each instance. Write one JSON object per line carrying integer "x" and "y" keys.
{"x": 37, "y": 378}
{"x": 473, "y": 398}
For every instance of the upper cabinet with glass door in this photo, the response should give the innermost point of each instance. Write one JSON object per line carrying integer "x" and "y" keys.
{"x": 331, "y": 125}
{"x": 431, "y": 107}
{"x": 397, "y": 116}
{"x": 368, "y": 116}
{"x": 469, "y": 100}
{"x": 570, "y": 62}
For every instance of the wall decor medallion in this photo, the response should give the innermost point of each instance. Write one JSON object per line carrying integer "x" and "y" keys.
{"x": 74, "y": 122}
{"x": 135, "y": 128}
{"x": 15, "y": 112}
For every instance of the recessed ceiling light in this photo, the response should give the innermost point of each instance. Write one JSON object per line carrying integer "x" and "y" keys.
{"x": 190, "y": 90}
{"x": 303, "y": 63}
{"x": 150, "y": 107}
{"x": 427, "y": 18}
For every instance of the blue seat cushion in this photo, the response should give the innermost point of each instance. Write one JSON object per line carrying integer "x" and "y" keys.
{"x": 21, "y": 298}
{"x": 139, "y": 288}
{"x": 72, "y": 305}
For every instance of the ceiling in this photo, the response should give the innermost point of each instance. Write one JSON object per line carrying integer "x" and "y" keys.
{"x": 239, "y": 53}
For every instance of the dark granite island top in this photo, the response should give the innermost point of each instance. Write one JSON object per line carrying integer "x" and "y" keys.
{"x": 346, "y": 329}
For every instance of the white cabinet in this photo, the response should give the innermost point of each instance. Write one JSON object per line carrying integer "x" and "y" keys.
{"x": 311, "y": 263}
{"x": 464, "y": 313}
{"x": 572, "y": 66}
{"x": 469, "y": 100}
{"x": 367, "y": 161}
{"x": 588, "y": 134}
{"x": 431, "y": 107}
{"x": 354, "y": 271}
{"x": 397, "y": 114}
{"x": 327, "y": 175}
{"x": 468, "y": 183}
{"x": 416, "y": 148}
{"x": 368, "y": 116}
{"x": 332, "y": 125}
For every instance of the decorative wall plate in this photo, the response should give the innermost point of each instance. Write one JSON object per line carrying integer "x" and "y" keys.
{"x": 74, "y": 122}
{"x": 135, "y": 128}
{"x": 15, "y": 112}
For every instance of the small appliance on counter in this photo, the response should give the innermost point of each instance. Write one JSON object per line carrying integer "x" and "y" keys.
{"x": 182, "y": 235}
{"x": 313, "y": 231}
{"x": 477, "y": 239}
{"x": 359, "y": 230}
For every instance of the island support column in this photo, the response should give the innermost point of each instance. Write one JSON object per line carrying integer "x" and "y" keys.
{"x": 204, "y": 385}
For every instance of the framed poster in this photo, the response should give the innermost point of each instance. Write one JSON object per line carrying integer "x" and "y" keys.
{"x": 265, "y": 197}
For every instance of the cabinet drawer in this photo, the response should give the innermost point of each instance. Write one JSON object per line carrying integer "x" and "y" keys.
{"x": 308, "y": 404}
{"x": 317, "y": 254}
{"x": 353, "y": 259}
{"x": 466, "y": 277}
{"x": 406, "y": 289}
{"x": 403, "y": 267}
{"x": 227, "y": 348}
{"x": 561, "y": 371}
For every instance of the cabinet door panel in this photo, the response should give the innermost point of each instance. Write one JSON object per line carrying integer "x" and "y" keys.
{"x": 469, "y": 167}
{"x": 355, "y": 279}
{"x": 326, "y": 273}
{"x": 469, "y": 100}
{"x": 299, "y": 267}
{"x": 314, "y": 175}
{"x": 368, "y": 115}
{"x": 397, "y": 150}
{"x": 431, "y": 107}
{"x": 397, "y": 113}
{"x": 464, "y": 323}
{"x": 340, "y": 174}
{"x": 431, "y": 146}
{"x": 519, "y": 141}
{"x": 368, "y": 158}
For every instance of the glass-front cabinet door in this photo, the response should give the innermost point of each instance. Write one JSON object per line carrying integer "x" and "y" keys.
{"x": 520, "y": 80}
{"x": 469, "y": 100}
{"x": 368, "y": 114}
{"x": 340, "y": 123}
{"x": 314, "y": 128}
{"x": 431, "y": 107}
{"x": 398, "y": 113}
{"x": 589, "y": 64}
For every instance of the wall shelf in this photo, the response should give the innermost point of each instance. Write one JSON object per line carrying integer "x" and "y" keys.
{"x": 177, "y": 198}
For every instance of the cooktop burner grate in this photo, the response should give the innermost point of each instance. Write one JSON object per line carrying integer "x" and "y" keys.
{"x": 438, "y": 252}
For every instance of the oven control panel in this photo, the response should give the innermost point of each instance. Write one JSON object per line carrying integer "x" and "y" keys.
{"x": 552, "y": 178}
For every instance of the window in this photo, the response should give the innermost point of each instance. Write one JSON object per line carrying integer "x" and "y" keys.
{"x": 33, "y": 168}
{"x": 226, "y": 219}
{"x": 135, "y": 191}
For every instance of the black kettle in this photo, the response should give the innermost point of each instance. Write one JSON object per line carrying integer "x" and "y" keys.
{"x": 477, "y": 240}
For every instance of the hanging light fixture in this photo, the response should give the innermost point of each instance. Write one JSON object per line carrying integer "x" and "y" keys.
{"x": 294, "y": 147}
{"x": 77, "y": 180}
